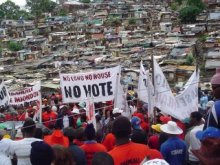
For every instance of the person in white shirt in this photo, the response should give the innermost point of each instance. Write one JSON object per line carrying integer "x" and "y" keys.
{"x": 4, "y": 149}
{"x": 194, "y": 143}
{"x": 21, "y": 149}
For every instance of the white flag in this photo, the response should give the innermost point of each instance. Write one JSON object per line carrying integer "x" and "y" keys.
{"x": 164, "y": 98}
{"x": 187, "y": 100}
{"x": 146, "y": 88}
{"x": 4, "y": 96}
{"x": 121, "y": 102}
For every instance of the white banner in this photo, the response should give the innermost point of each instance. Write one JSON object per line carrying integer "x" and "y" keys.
{"x": 26, "y": 95}
{"x": 101, "y": 84}
{"x": 164, "y": 98}
{"x": 143, "y": 84}
{"x": 4, "y": 96}
{"x": 146, "y": 89}
{"x": 121, "y": 100}
{"x": 187, "y": 100}
{"x": 184, "y": 103}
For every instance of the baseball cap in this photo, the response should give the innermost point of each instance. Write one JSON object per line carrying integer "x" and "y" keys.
{"x": 208, "y": 132}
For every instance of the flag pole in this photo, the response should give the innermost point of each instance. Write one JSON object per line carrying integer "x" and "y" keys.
{"x": 116, "y": 89}
{"x": 153, "y": 82}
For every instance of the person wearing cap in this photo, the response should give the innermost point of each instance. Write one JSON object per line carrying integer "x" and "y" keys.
{"x": 22, "y": 148}
{"x": 209, "y": 153}
{"x": 125, "y": 151}
{"x": 49, "y": 117}
{"x": 76, "y": 115}
{"x": 154, "y": 162}
{"x": 194, "y": 143}
{"x": 65, "y": 118}
{"x": 138, "y": 135}
{"x": 90, "y": 146}
{"x": 57, "y": 138}
{"x": 117, "y": 112}
{"x": 153, "y": 141}
{"x": 77, "y": 153}
{"x": 174, "y": 150}
{"x": 213, "y": 119}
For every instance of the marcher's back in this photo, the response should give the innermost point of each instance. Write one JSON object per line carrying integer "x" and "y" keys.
{"x": 130, "y": 153}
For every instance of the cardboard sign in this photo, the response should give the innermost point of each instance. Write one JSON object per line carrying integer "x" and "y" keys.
{"x": 100, "y": 85}
{"x": 26, "y": 95}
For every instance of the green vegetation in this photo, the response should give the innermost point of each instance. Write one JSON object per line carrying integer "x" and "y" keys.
{"x": 85, "y": 1}
{"x": 132, "y": 21}
{"x": 14, "y": 46}
{"x": 9, "y": 10}
{"x": 114, "y": 22}
{"x": 188, "y": 14}
{"x": 188, "y": 9}
{"x": 174, "y": 5}
{"x": 189, "y": 60}
{"x": 196, "y": 3}
{"x": 37, "y": 7}
{"x": 62, "y": 12}
{"x": 203, "y": 37}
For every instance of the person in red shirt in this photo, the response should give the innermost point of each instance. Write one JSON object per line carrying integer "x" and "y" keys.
{"x": 153, "y": 141}
{"x": 109, "y": 141}
{"x": 125, "y": 151}
{"x": 90, "y": 147}
{"x": 144, "y": 124}
{"x": 49, "y": 117}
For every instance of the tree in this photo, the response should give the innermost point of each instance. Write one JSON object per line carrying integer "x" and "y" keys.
{"x": 189, "y": 60}
{"x": 132, "y": 21}
{"x": 62, "y": 12}
{"x": 49, "y": 6}
{"x": 14, "y": 46}
{"x": 179, "y": 2}
{"x": 9, "y": 10}
{"x": 37, "y": 7}
{"x": 188, "y": 14}
{"x": 197, "y": 3}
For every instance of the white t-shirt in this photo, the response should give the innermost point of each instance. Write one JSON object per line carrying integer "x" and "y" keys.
{"x": 195, "y": 143}
{"x": 22, "y": 149}
{"x": 4, "y": 152}
{"x": 65, "y": 121}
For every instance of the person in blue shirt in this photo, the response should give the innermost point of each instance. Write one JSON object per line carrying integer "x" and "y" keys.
{"x": 213, "y": 118}
{"x": 174, "y": 150}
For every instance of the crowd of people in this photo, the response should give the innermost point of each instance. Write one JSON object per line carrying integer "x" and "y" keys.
{"x": 67, "y": 137}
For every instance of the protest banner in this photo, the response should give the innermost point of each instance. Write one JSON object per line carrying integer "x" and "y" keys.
{"x": 4, "y": 96}
{"x": 146, "y": 89}
{"x": 184, "y": 103}
{"x": 187, "y": 100}
{"x": 100, "y": 84}
{"x": 25, "y": 95}
{"x": 143, "y": 84}
{"x": 164, "y": 98}
{"x": 121, "y": 102}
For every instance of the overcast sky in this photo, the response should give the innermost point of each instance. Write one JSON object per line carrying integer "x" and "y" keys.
{"x": 18, "y": 2}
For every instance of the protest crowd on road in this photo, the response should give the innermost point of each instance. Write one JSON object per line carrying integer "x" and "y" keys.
{"x": 103, "y": 134}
